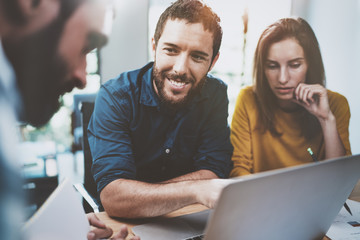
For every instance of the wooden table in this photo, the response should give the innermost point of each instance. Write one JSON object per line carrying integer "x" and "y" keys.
{"x": 115, "y": 223}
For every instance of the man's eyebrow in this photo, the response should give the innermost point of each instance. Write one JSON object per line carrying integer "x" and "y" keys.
{"x": 95, "y": 40}
{"x": 201, "y": 53}
{"x": 171, "y": 45}
{"x": 269, "y": 60}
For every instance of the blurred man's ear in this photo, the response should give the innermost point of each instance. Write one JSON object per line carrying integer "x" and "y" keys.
{"x": 38, "y": 13}
{"x": 29, "y": 7}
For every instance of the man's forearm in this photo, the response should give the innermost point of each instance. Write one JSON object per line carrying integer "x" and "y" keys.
{"x": 134, "y": 199}
{"x": 198, "y": 175}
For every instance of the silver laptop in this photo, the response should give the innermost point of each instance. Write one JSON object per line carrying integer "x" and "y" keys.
{"x": 291, "y": 203}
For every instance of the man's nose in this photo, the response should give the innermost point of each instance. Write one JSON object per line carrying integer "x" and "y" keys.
{"x": 79, "y": 75}
{"x": 181, "y": 64}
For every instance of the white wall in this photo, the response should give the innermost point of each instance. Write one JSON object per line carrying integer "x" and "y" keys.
{"x": 337, "y": 27}
{"x": 128, "y": 46}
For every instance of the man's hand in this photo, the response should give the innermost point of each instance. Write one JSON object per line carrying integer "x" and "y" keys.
{"x": 122, "y": 234}
{"x": 100, "y": 230}
{"x": 209, "y": 193}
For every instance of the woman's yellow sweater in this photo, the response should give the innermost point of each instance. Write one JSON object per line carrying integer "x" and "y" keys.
{"x": 255, "y": 151}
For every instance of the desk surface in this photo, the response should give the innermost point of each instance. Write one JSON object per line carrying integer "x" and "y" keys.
{"x": 116, "y": 223}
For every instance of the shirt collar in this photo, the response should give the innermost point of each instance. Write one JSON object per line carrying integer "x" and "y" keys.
{"x": 148, "y": 95}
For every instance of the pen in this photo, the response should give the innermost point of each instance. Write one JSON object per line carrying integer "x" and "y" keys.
{"x": 347, "y": 208}
{"x": 315, "y": 160}
{"x": 81, "y": 189}
{"x": 312, "y": 155}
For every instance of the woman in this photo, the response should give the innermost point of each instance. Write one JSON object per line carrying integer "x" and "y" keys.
{"x": 288, "y": 109}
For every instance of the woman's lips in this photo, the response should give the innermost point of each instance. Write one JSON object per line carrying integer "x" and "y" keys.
{"x": 285, "y": 90}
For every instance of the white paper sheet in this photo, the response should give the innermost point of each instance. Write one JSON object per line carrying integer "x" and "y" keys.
{"x": 345, "y": 226}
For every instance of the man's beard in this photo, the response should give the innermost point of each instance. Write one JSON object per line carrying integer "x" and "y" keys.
{"x": 159, "y": 80}
{"x": 40, "y": 72}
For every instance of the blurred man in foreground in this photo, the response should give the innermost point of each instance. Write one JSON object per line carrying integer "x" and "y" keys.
{"x": 43, "y": 47}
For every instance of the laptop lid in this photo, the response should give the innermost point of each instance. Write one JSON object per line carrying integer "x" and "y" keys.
{"x": 292, "y": 203}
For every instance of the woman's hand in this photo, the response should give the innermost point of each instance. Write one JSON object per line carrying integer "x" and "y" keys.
{"x": 314, "y": 98}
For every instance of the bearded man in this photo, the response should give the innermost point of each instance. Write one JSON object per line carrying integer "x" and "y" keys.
{"x": 159, "y": 135}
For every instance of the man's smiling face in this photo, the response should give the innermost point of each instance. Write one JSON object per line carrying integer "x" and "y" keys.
{"x": 183, "y": 57}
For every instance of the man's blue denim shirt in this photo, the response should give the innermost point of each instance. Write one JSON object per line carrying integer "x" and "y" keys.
{"x": 132, "y": 136}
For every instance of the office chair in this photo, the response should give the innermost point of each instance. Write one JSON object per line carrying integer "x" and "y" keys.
{"x": 89, "y": 184}
{"x": 76, "y": 125}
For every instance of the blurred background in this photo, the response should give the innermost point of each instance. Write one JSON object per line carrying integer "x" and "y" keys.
{"x": 55, "y": 151}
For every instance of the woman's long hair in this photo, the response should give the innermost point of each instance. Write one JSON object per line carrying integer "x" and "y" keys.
{"x": 300, "y": 30}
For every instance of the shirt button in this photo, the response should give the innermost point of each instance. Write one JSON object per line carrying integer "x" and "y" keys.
{"x": 167, "y": 151}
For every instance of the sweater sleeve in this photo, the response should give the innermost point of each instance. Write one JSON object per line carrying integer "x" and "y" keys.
{"x": 341, "y": 110}
{"x": 241, "y": 135}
